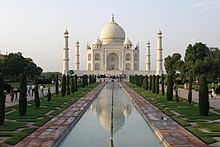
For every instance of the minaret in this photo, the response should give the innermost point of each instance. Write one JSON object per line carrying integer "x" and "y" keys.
{"x": 148, "y": 56}
{"x": 65, "y": 54}
{"x": 159, "y": 69}
{"x": 77, "y": 56}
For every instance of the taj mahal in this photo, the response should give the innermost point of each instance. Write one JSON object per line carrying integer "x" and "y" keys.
{"x": 113, "y": 54}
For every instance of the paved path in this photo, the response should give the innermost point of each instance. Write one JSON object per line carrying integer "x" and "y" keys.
{"x": 168, "y": 131}
{"x": 54, "y": 130}
{"x": 215, "y": 103}
{"x": 9, "y": 103}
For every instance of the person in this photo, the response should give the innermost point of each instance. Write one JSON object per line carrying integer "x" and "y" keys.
{"x": 29, "y": 89}
{"x": 12, "y": 94}
{"x": 16, "y": 93}
{"x": 213, "y": 93}
{"x": 42, "y": 89}
{"x": 32, "y": 89}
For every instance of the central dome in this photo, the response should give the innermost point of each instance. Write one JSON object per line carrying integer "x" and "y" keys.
{"x": 112, "y": 32}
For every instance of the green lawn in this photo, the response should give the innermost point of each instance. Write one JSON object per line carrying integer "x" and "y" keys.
{"x": 188, "y": 114}
{"x": 37, "y": 116}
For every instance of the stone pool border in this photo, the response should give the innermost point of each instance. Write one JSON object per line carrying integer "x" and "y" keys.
{"x": 168, "y": 131}
{"x": 55, "y": 130}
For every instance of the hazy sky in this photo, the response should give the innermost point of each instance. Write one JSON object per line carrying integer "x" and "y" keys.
{"x": 35, "y": 27}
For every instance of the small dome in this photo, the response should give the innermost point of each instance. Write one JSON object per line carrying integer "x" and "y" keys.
{"x": 127, "y": 42}
{"x": 66, "y": 32}
{"x": 112, "y": 32}
{"x": 97, "y": 42}
{"x": 77, "y": 42}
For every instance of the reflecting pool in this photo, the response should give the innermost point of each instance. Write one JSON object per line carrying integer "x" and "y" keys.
{"x": 94, "y": 128}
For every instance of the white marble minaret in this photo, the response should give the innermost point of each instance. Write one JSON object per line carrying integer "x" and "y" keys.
{"x": 159, "y": 69}
{"x": 77, "y": 56}
{"x": 148, "y": 56}
{"x": 65, "y": 54}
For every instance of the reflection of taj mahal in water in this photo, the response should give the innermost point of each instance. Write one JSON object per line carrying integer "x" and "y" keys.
{"x": 113, "y": 54}
{"x": 102, "y": 109}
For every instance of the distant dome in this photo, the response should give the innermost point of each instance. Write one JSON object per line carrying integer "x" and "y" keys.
{"x": 97, "y": 42}
{"x": 127, "y": 42}
{"x": 112, "y": 32}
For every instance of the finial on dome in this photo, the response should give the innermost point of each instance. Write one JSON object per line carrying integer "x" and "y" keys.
{"x": 66, "y": 32}
{"x": 113, "y": 18}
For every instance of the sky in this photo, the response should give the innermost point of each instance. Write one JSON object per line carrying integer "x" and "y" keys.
{"x": 35, "y": 27}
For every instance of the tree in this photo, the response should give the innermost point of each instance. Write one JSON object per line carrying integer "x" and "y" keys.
{"x": 68, "y": 84}
{"x": 75, "y": 81}
{"x": 176, "y": 92}
{"x": 150, "y": 83}
{"x": 36, "y": 93}
{"x": 72, "y": 85}
{"x": 14, "y": 64}
{"x": 153, "y": 84}
{"x": 190, "y": 90}
{"x": 63, "y": 88}
{"x": 203, "y": 97}
{"x": 23, "y": 95}
{"x": 157, "y": 89}
{"x": 90, "y": 79}
{"x": 48, "y": 95}
{"x": 145, "y": 83}
{"x": 169, "y": 87}
{"x": 57, "y": 84}
{"x": 84, "y": 80}
{"x": 162, "y": 85}
{"x": 2, "y": 101}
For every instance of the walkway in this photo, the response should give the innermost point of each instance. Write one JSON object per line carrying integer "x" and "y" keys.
{"x": 54, "y": 130}
{"x": 168, "y": 131}
{"x": 215, "y": 103}
{"x": 9, "y": 103}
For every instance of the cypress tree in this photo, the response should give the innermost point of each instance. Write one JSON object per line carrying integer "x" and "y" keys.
{"x": 36, "y": 93}
{"x": 157, "y": 90}
{"x": 162, "y": 84}
{"x": 147, "y": 83}
{"x": 90, "y": 79}
{"x": 140, "y": 81}
{"x": 153, "y": 84}
{"x": 94, "y": 78}
{"x": 57, "y": 84}
{"x": 75, "y": 83}
{"x": 49, "y": 95}
{"x": 68, "y": 84}
{"x": 136, "y": 79}
{"x": 150, "y": 83}
{"x": 63, "y": 88}
{"x": 2, "y": 101}
{"x": 169, "y": 87}
{"x": 176, "y": 92}
{"x": 190, "y": 90}
{"x": 72, "y": 85}
{"x": 203, "y": 97}
{"x": 23, "y": 95}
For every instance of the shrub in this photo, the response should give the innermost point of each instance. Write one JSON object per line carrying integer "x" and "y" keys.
{"x": 23, "y": 95}
{"x": 190, "y": 90}
{"x": 68, "y": 85}
{"x": 150, "y": 83}
{"x": 75, "y": 82}
{"x": 169, "y": 87}
{"x": 145, "y": 83}
{"x": 84, "y": 80}
{"x": 48, "y": 95}
{"x": 63, "y": 88}
{"x": 157, "y": 90}
{"x": 203, "y": 97}
{"x": 2, "y": 101}
{"x": 153, "y": 84}
{"x": 57, "y": 84}
{"x": 72, "y": 85}
{"x": 36, "y": 94}
{"x": 162, "y": 85}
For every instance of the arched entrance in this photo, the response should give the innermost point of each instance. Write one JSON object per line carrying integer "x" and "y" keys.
{"x": 112, "y": 62}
